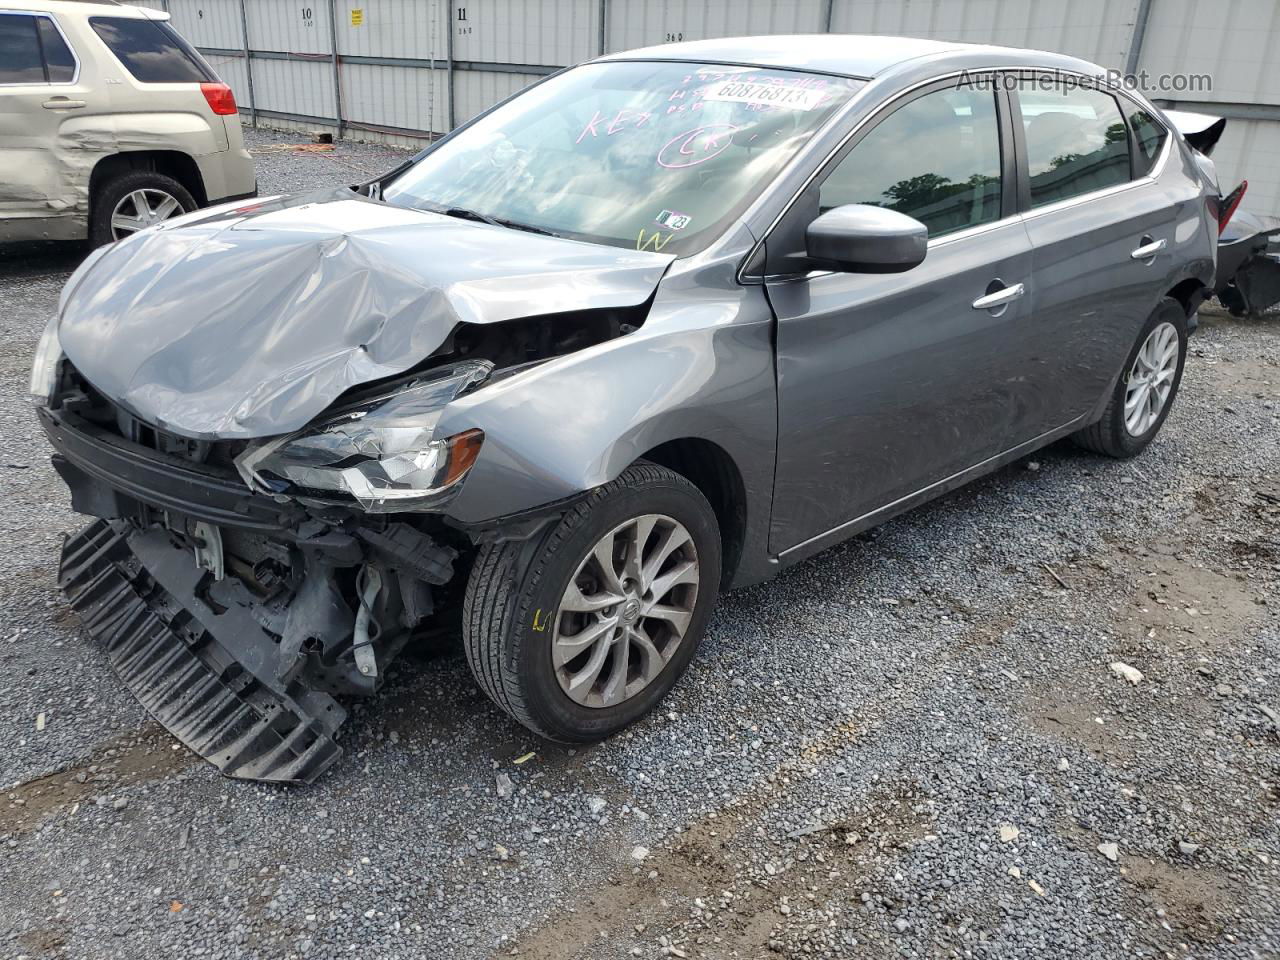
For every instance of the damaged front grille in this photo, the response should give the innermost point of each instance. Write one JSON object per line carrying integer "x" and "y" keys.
{"x": 85, "y": 400}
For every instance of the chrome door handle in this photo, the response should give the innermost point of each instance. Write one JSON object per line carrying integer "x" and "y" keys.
{"x": 998, "y": 299}
{"x": 1148, "y": 250}
{"x": 62, "y": 103}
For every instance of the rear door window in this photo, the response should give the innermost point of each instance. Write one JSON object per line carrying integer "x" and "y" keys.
{"x": 1149, "y": 136}
{"x": 937, "y": 159}
{"x": 58, "y": 59}
{"x": 19, "y": 50}
{"x": 151, "y": 50}
{"x": 1076, "y": 140}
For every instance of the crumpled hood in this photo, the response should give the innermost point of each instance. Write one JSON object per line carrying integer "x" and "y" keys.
{"x": 248, "y": 321}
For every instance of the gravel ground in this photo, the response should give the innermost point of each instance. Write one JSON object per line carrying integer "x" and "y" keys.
{"x": 914, "y": 744}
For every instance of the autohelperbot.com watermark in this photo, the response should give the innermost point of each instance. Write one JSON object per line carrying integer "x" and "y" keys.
{"x": 1141, "y": 81}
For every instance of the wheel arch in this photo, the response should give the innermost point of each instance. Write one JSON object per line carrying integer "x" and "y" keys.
{"x": 710, "y": 468}
{"x": 172, "y": 163}
{"x": 1190, "y": 292}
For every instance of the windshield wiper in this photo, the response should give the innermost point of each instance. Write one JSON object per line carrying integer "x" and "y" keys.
{"x": 462, "y": 213}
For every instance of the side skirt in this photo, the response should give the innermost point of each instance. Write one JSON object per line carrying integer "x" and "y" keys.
{"x": 808, "y": 548}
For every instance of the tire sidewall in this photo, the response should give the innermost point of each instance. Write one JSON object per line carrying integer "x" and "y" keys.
{"x": 114, "y": 190}
{"x": 533, "y": 627}
{"x": 1170, "y": 311}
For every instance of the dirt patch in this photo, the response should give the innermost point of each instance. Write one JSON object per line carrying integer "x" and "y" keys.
{"x": 1188, "y": 606}
{"x": 1193, "y": 899}
{"x": 1177, "y": 617}
{"x": 706, "y": 885}
{"x": 1247, "y": 377}
{"x": 43, "y": 942}
{"x": 1079, "y": 715}
{"x": 143, "y": 756}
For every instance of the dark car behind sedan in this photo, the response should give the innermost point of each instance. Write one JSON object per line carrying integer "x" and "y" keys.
{"x": 656, "y": 327}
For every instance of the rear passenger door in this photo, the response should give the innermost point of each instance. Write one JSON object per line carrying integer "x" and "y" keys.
{"x": 1102, "y": 231}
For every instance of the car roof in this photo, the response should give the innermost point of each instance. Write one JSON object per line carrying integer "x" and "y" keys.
{"x": 852, "y": 55}
{"x": 88, "y": 8}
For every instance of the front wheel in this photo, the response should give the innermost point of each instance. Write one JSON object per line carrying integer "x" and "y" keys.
{"x": 1146, "y": 390}
{"x": 583, "y": 631}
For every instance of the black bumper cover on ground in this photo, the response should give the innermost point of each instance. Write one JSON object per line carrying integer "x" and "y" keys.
{"x": 176, "y": 667}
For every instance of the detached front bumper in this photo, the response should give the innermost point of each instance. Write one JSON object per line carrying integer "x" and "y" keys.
{"x": 235, "y": 619}
{"x": 110, "y": 477}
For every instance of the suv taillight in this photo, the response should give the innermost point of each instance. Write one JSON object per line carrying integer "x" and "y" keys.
{"x": 221, "y": 100}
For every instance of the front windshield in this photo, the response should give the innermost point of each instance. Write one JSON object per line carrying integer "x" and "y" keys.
{"x": 644, "y": 155}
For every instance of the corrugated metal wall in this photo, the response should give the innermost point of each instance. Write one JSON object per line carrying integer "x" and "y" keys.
{"x": 408, "y": 69}
{"x": 1096, "y": 30}
{"x": 1237, "y": 42}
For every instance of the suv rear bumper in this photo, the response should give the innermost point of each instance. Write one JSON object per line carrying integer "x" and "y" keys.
{"x": 227, "y": 174}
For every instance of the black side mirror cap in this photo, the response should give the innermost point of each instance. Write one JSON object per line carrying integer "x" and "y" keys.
{"x": 860, "y": 238}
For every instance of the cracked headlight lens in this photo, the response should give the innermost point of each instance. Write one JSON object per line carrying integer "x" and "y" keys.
{"x": 382, "y": 453}
{"x": 44, "y": 368}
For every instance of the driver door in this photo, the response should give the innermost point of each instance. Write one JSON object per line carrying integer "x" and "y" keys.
{"x": 889, "y": 384}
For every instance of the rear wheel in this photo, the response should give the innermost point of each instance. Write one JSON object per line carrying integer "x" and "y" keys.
{"x": 581, "y": 633}
{"x": 133, "y": 201}
{"x": 1144, "y": 394}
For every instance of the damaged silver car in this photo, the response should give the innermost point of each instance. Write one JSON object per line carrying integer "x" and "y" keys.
{"x": 659, "y": 326}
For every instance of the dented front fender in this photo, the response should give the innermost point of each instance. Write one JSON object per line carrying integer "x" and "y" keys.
{"x": 701, "y": 367}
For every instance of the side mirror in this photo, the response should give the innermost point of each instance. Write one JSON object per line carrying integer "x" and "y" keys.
{"x": 860, "y": 238}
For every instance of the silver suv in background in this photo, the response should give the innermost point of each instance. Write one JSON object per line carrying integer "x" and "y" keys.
{"x": 109, "y": 122}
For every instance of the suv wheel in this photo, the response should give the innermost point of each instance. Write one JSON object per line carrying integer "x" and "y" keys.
{"x": 129, "y": 202}
{"x": 581, "y": 631}
{"x": 1145, "y": 392}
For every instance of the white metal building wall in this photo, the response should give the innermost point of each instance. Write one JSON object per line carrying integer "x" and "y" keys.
{"x": 393, "y": 79}
{"x": 1095, "y": 30}
{"x": 546, "y": 32}
{"x": 640, "y": 23}
{"x": 1237, "y": 43}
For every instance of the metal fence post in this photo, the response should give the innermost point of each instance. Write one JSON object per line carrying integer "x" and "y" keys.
{"x": 337, "y": 67}
{"x": 1134, "y": 56}
{"x": 248, "y": 64}
{"x": 604, "y": 28}
{"x": 828, "y": 10}
{"x": 448, "y": 49}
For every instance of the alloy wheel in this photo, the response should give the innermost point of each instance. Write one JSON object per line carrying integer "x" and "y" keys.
{"x": 140, "y": 209}
{"x": 625, "y": 611}
{"x": 1150, "y": 380}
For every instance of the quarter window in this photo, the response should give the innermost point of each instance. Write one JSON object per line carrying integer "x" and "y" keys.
{"x": 1076, "y": 140}
{"x": 19, "y": 50}
{"x": 936, "y": 159}
{"x": 1148, "y": 139}
{"x": 151, "y": 51}
{"x": 58, "y": 59}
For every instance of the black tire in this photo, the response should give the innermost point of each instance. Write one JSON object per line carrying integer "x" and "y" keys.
{"x": 110, "y": 193}
{"x": 1109, "y": 435}
{"x": 515, "y": 588}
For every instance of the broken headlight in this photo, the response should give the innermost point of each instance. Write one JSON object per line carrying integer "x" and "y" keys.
{"x": 44, "y": 368}
{"x": 380, "y": 452}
